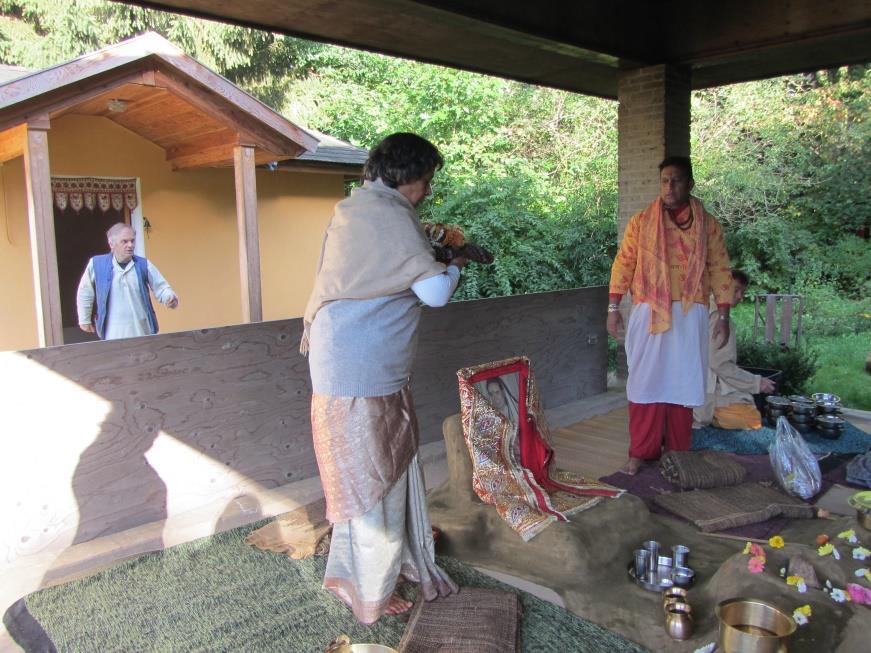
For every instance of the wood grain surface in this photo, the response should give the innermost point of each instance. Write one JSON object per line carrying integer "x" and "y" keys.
{"x": 101, "y": 437}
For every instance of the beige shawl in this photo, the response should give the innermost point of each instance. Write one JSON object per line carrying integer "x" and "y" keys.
{"x": 374, "y": 246}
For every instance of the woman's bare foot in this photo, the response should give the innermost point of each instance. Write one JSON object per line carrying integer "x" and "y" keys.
{"x": 397, "y": 605}
{"x": 631, "y": 466}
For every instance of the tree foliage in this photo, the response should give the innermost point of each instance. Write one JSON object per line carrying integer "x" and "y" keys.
{"x": 532, "y": 172}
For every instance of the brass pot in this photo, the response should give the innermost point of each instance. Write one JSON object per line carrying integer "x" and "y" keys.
{"x": 679, "y": 621}
{"x": 752, "y": 626}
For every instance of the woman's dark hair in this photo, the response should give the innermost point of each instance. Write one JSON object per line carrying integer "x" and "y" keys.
{"x": 741, "y": 277}
{"x": 402, "y": 159}
{"x": 680, "y": 162}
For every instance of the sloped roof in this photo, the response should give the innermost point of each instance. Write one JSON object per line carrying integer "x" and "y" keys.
{"x": 149, "y": 86}
{"x": 334, "y": 150}
{"x": 8, "y": 73}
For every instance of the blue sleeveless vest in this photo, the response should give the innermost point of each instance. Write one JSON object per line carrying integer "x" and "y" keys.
{"x": 103, "y": 273}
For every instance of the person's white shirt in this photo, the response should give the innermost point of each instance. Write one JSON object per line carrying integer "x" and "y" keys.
{"x": 127, "y": 315}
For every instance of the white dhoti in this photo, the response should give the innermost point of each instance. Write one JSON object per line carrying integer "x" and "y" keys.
{"x": 370, "y": 552}
{"x": 667, "y": 367}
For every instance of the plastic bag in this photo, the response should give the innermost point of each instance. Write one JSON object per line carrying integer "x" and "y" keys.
{"x": 795, "y": 467}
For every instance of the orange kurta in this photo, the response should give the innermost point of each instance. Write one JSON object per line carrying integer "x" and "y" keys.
{"x": 626, "y": 274}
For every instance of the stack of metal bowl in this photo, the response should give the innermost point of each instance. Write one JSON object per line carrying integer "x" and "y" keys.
{"x": 803, "y": 413}
{"x": 827, "y": 403}
{"x": 776, "y": 406}
{"x": 830, "y": 426}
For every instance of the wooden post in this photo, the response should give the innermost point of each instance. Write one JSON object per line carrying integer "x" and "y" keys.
{"x": 249, "y": 239}
{"x": 43, "y": 250}
{"x": 770, "y": 317}
{"x": 786, "y": 320}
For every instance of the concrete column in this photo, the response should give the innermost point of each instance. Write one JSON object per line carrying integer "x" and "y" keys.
{"x": 653, "y": 121}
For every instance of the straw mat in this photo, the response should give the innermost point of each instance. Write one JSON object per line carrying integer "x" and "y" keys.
{"x": 736, "y": 505}
{"x": 476, "y": 620}
{"x": 692, "y": 470}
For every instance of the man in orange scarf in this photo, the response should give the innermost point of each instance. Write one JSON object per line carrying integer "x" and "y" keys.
{"x": 672, "y": 257}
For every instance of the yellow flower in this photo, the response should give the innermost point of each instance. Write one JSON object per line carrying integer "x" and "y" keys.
{"x": 747, "y": 547}
{"x": 776, "y": 542}
{"x": 825, "y": 549}
{"x": 794, "y": 580}
{"x": 805, "y": 610}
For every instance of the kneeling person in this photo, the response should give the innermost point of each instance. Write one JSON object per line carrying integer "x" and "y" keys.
{"x": 729, "y": 389}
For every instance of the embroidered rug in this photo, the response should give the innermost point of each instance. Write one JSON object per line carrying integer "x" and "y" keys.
{"x": 853, "y": 440}
{"x": 513, "y": 465}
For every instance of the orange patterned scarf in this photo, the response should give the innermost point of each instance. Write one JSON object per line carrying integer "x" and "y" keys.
{"x": 653, "y": 262}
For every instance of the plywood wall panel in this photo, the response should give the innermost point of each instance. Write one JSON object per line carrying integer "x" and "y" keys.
{"x": 106, "y": 436}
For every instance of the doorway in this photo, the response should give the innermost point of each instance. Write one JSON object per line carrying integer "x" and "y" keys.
{"x": 84, "y": 209}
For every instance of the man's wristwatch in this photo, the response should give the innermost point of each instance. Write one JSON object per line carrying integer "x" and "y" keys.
{"x": 613, "y": 308}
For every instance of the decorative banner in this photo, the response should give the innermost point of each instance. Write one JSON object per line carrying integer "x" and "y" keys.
{"x": 92, "y": 192}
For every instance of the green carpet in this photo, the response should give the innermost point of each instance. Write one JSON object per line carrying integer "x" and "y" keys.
{"x": 219, "y": 594}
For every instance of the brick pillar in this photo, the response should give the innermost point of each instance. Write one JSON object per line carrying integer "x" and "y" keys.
{"x": 653, "y": 121}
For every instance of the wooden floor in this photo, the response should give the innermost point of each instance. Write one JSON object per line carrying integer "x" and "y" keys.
{"x": 598, "y": 446}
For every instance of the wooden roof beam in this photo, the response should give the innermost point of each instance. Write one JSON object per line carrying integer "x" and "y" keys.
{"x": 12, "y": 142}
{"x": 211, "y": 103}
{"x": 56, "y": 104}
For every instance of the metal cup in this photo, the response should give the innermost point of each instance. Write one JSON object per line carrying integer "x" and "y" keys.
{"x": 653, "y": 547}
{"x": 641, "y": 558}
{"x": 680, "y": 553}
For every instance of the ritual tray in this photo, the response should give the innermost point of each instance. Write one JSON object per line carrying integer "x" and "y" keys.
{"x": 664, "y": 579}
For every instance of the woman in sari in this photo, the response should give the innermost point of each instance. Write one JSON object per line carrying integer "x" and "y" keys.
{"x": 361, "y": 322}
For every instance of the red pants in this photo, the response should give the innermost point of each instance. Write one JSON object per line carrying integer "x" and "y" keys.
{"x": 652, "y": 424}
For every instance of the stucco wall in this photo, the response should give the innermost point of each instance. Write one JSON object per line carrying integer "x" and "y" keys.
{"x": 193, "y": 236}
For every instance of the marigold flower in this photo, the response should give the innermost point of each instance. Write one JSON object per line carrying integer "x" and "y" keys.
{"x": 826, "y": 549}
{"x": 805, "y": 610}
{"x": 776, "y": 542}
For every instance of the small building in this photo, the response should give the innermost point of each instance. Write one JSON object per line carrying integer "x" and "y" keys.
{"x": 139, "y": 132}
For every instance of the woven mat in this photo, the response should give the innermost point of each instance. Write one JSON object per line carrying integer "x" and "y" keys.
{"x": 701, "y": 469}
{"x": 737, "y": 505}
{"x": 477, "y": 620}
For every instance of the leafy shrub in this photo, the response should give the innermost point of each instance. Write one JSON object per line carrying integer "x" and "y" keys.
{"x": 828, "y": 313}
{"x": 798, "y": 364}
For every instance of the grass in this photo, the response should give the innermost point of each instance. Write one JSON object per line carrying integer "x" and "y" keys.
{"x": 842, "y": 368}
{"x": 840, "y": 356}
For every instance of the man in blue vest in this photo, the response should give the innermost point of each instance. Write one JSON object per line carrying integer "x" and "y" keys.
{"x": 113, "y": 299}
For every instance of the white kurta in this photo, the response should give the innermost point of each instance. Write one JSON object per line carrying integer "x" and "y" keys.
{"x": 127, "y": 315}
{"x": 667, "y": 367}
